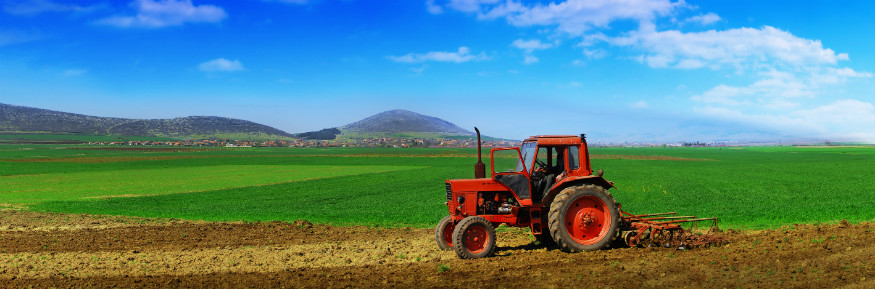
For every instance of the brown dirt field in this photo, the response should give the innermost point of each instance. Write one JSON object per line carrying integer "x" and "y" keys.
{"x": 43, "y": 250}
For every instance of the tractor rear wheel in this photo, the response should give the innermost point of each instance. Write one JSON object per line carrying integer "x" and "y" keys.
{"x": 474, "y": 237}
{"x": 583, "y": 218}
{"x": 443, "y": 233}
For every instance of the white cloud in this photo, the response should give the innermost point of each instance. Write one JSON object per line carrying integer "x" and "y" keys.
{"x": 461, "y": 55}
{"x": 419, "y": 69}
{"x": 9, "y": 37}
{"x": 574, "y": 17}
{"x": 841, "y": 112}
{"x": 531, "y": 45}
{"x": 293, "y": 1}
{"x": 433, "y": 8}
{"x": 775, "y": 89}
{"x": 163, "y": 13}
{"x": 849, "y": 119}
{"x": 639, "y": 104}
{"x": 470, "y": 5}
{"x": 704, "y": 19}
{"x": 570, "y": 85}
{"x": 595, "y": 53}
{"x": 34, "y": 7}
{"x": 221, "y": 65}
{"x": 736, "y": 47}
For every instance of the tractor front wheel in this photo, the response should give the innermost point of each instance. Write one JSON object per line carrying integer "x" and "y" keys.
{"x": 474, "y": 237}
{"x": 443, "y": 233}
{"x": 583, "y": 218}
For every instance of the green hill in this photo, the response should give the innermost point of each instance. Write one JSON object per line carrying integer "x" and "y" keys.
{"x": 27, "y": 119}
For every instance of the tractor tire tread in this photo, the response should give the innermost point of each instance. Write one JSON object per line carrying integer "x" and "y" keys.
{"x": 459, "y": 245}
{"x": 439, "y": 233}
{"x": 557, "y": 207}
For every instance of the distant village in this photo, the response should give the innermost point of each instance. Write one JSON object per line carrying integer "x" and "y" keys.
{"x": 386, "y": 142}
{"x": 390, "y": 142}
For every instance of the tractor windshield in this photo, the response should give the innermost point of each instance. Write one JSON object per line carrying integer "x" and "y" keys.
{"x": 528, "y": 151}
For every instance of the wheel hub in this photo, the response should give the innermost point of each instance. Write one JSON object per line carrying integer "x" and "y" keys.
{"x": 586, "y": 220}
{"x": 475, "y": 239}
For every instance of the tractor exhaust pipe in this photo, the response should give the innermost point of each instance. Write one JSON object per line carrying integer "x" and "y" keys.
{"x": 479, "y": 168}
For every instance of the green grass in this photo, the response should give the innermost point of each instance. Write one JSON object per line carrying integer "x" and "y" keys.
{"x": 160, "y": 181}
{"x": 751, "y": 187}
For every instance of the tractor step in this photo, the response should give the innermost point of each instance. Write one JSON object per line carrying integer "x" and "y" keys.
{"x": 535, "y": 215}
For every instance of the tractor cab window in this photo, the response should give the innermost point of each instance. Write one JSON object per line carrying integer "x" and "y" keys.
{"x": 550, "y": 160}
{"x": 573, "y": 157}
{"x": 529, "y": 153}
{"x": 507, "y": 161}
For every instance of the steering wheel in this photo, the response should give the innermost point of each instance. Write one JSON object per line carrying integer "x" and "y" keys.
{"x": 541, "y": 163}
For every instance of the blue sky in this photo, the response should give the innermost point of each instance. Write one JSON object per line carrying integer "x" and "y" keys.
{"x": 618, "y": 70}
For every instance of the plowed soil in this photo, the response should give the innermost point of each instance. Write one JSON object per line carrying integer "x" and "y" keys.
{"x": 42, "y": 250}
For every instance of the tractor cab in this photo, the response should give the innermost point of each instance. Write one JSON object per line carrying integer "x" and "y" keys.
{"x": 533, "y": 170}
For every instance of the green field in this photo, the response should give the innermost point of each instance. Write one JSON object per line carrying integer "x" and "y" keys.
{"x": 746, "y": 187}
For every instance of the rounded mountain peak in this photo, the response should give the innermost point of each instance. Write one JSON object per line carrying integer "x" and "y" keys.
{"x": 396, "y": 121}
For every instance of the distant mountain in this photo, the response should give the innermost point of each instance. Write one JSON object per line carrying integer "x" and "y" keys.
{"x": 18, "y": 118}
{"x": 401, "y": 121}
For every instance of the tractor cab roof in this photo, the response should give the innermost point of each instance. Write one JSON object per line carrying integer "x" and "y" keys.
{"x": 555, "y": 139}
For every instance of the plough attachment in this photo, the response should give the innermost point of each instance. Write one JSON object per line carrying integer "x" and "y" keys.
{"x": 666, "y": 230}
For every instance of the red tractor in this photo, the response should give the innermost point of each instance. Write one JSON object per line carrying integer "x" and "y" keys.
{"x": 550, "y": 187}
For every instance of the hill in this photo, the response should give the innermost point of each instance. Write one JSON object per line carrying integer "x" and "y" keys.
{"x": 27, "y": 119}
{"x": 394, "y": 123}
{"x": 324, "y": 134}
{"x": 402, "y": 121}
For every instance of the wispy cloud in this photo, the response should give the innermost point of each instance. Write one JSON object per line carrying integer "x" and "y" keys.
{"x": 846, "y": 119}
{"x": 463, "y": 54}
{"x": 289, "y": 1}
{"x": 776, "y": 89}
{"x": 221, "y": 65}
{"x": 433, "y": 8}
{"x": 531, "y": 45}
{"x": 163, "y": 13}
{"x": 737, "y": 47}
{"x": 34, "y": 7}
{"x": 574, "y": 17}
{"x": 639, "y": 104}
{"x": 10, "y": 37}
{"x": 704, "y": 19}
